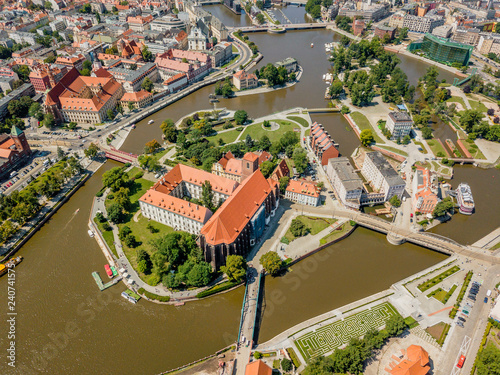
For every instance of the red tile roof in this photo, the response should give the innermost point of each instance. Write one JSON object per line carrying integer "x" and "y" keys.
{"x": 303, "y": 187}
{"x": 135, "y": 96}
{"x": 258, "y": 368}
{"x": 416, "y": 362}
{"x": 235, "y": 213}
{"x": 176, "y": 205}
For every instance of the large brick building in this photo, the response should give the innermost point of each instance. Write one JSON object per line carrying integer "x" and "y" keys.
{"x": 322, "y": 144}
{"x": 14, "y": 151}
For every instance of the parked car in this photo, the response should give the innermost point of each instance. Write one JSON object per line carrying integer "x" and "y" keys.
{"x": 485, "y": 299}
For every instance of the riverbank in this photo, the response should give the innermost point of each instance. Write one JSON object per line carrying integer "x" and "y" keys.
{"x": 46, "y": 212}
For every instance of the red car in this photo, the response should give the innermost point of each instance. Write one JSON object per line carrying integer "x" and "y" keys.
{"x": 461, "y": 361}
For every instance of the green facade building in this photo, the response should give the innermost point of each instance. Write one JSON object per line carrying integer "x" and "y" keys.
{"x": 446, "y": 51}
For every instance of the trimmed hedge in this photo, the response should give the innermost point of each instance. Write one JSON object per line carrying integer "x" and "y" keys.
{"x": 153, "y": 296}
{"x": 293, "y": 357}
{"x": 437, "y": 279}
{"x": 217, "y": 288}
{"x": 460, "y": 297}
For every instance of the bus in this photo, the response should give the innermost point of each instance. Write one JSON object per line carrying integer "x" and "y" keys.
{"x": 461, "y": 361}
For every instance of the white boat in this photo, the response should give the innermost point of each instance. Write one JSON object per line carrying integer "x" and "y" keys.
{"x": 150, "y": 122}
{"x": 91, "y": 234}
{"x": 324, "y": 77}
{"x": 312, "y": 45}
{"x": 465, "y": 199}
{"x": 129, "y": 298}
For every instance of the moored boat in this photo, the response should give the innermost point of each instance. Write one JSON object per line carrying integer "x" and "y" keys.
{"x": 10, "y": 264}
{"x": 465, "y": 199}
{"x": 129, "y": 297}
{"x": 91, "y": 234}
{"x": 312, "y": 45}
{"x": 150, "y": 122}
{"x": 108, "y": 270}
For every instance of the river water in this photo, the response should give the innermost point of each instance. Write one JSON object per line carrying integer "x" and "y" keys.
{"x": 65, "y": 325}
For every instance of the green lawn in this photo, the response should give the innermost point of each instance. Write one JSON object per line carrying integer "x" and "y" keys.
{"x": 227, "y": 137}
{"x": 437, "y": 279}
{"x": 478, "y": 106}
{"x": 235, "y": 50}
{"x": 256, "y": 131}
{"x": 307, "y": 132}
{"x": 300, "y": 120}
{"x": 315, "y": 225}
{"x": 441, "y": 295}
{"x": 473, "y": 149}
{"x": 363, "y": 124}
{"x": 108, "y": 237}
{"x": 344, "y": 228}
{"x": 457, "y": 99}
{"x": 436, "y": 147}
{"x": 395, "y": 150}
{"x": 494, "y": 247}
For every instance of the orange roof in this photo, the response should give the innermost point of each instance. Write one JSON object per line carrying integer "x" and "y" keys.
{"x": 176, "y": 205}
{"x": 244, "y": 75}
{"x": 232, "y": 217}
{"x": 7, "y": 144}
{"x": 258, "y": 368}
{"x": 250, "y": 156}
{"x": 135, "y": 96}
{"x": 416, "y": 362}
{"x": 281, "y": 170}
{"x": 194, "y": 176}
{"x": 303, "y": 187}
{"x": 5, "y": 153}
{"x": 223, "y": 161}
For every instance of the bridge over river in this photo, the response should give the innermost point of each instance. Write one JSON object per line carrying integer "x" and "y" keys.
{"x": 292, "y": 26}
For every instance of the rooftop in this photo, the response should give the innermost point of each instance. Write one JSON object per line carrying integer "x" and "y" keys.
{"x": 392, "y": 177}
{"x": 346, "y": 173}
{"x": 400, "y": 116}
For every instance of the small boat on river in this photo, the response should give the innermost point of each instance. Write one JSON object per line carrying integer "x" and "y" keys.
{"x": 150, "y": 122}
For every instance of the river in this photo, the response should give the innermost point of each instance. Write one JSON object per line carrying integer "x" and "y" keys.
{"x": 57, "y": 296}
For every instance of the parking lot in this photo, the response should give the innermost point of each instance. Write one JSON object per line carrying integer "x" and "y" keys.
{"x": 18, "y": 180}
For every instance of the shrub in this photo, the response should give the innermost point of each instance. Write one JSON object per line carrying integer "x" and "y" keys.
{"x": 285, "y": 240}
{"x": 257, "y": 355}
{"x": 154, "y": 279}
{"x": 127, "y": 165}
{"x": 139, "y": 175}
{"x": 153, "y": 296}
{"x": 99, "y": 194}
{"x": 217, "y": 289}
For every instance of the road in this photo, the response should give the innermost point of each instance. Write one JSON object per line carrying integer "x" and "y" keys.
{"x": 473, "y": 328}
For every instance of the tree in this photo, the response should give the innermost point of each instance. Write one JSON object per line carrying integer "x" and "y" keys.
{"x": 200, "y": 274}
{"x": 147, "y": 84}
{"x": 240, "y": 117}
{"x": 207, "y": 195}
{"x": 267, "y": 168}
{"x": 114, "y": 179}
{"x": 149, "y": 163}
{"x": 426, "y": 132}
{"x": 298, "y": 228}
{"x": 111, "y": 114}
{"x": 248, "y": 141}
{"x": 406, "y": 139}
{"x": 130, "y": 241}
{"x": 72, "y": 125}
{"x": 115, "y": 213}
{"x": 488, "y": 360}
{"x": 131, "y": 106}
{"x": 85, "y": 72}
{"x": 366, "y": 137}
{"x": 235, "y": 268}
{"x": 35, "y": 109}
{"x": 48, "y": 120}
{"x": 91, "y": 151}
{"x": 442, "y": 207}
{"x": 490, "y": 112}
{"x": 395, "y": 201}
{"x": 395, "y": 325}
{"x": 286, "y": 365}
{"x": 257, "y": 355}
{"x": 147, "y": 55}
{"x": 264, "y": 143}
{"x": 152, "y": 146}
{"x": 60, "y": 153}
{"x": 260, "y": 18}
{"x": 469, "y": 118}
{"x": 122, "y": 197}
{"x": 271, "y": 262}
{"x": 227, "y": 90}
{"x": 336, "y": 88}
{"x": 123, "y": 233}
{"x": 300, "y": 159}
{"x": 284, "y": 183}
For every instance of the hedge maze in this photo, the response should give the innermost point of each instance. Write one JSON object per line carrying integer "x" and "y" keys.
{"x": 327, "y": 338}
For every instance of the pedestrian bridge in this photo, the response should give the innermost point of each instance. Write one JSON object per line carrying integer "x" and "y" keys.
{"x": 121, "y": 156}
{"x": 293, "y": 26}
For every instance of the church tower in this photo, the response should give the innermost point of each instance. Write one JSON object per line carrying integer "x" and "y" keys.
{"x": 20, "y": 140}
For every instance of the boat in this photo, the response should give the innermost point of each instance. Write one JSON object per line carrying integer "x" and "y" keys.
{"x": 91, "y": 234}
{"x": 150, "y": 122}
{"x": 108, "y": 270}
{"x": 10, "y": 264}
{"x": 77, "y": 210}
{"x": 133, "y": 126}
{"x": 129, "y": 297}
{"x": 115, "y": 272}
{"x": 312, "y": 45}
{"x": 465, "y": 199}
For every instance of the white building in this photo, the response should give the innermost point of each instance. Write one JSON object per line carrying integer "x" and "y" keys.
{"x": 346, "y": 183}
{"x": 174, "y": 212}
{"x": 422, "y": 24}
{"x": 303, "y": 192}
{"x": 197, "y": 41}
{"x": 381, "y": 176}
{"x": 399, "y": 124}
{"x": 442, "y": 31}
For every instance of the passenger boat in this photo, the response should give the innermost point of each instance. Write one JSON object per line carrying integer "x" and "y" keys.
{"x": 465, "y": 199}
{"x": 115, "y": 272}
{"x": 91, "y": 234}
{"x": 150, "y": 122}
{"x": 10, "y": 264}
{"x": 108, "y": 270}
{"x": 129, "y": 297}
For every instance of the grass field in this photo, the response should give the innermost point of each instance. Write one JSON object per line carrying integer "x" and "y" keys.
{"x": 457, "y": 99}
{"x": 424, "y": 150}
{"x": 331, "y": 336}
{"x": 478, "y": 106}
{"x": 395, "y": 150}
{"x": 442, "y": 295}
{"x": 473, "y": 149}
{"x": 363, "y": 124}
{"x": 300, "y": 120}
{"x": 227, "y": 137}
{"x": 315, "y": 225}
{"x": 436, "y": 147}
{"x": 344, "y": 228}
{"x": 256, "y": 131}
